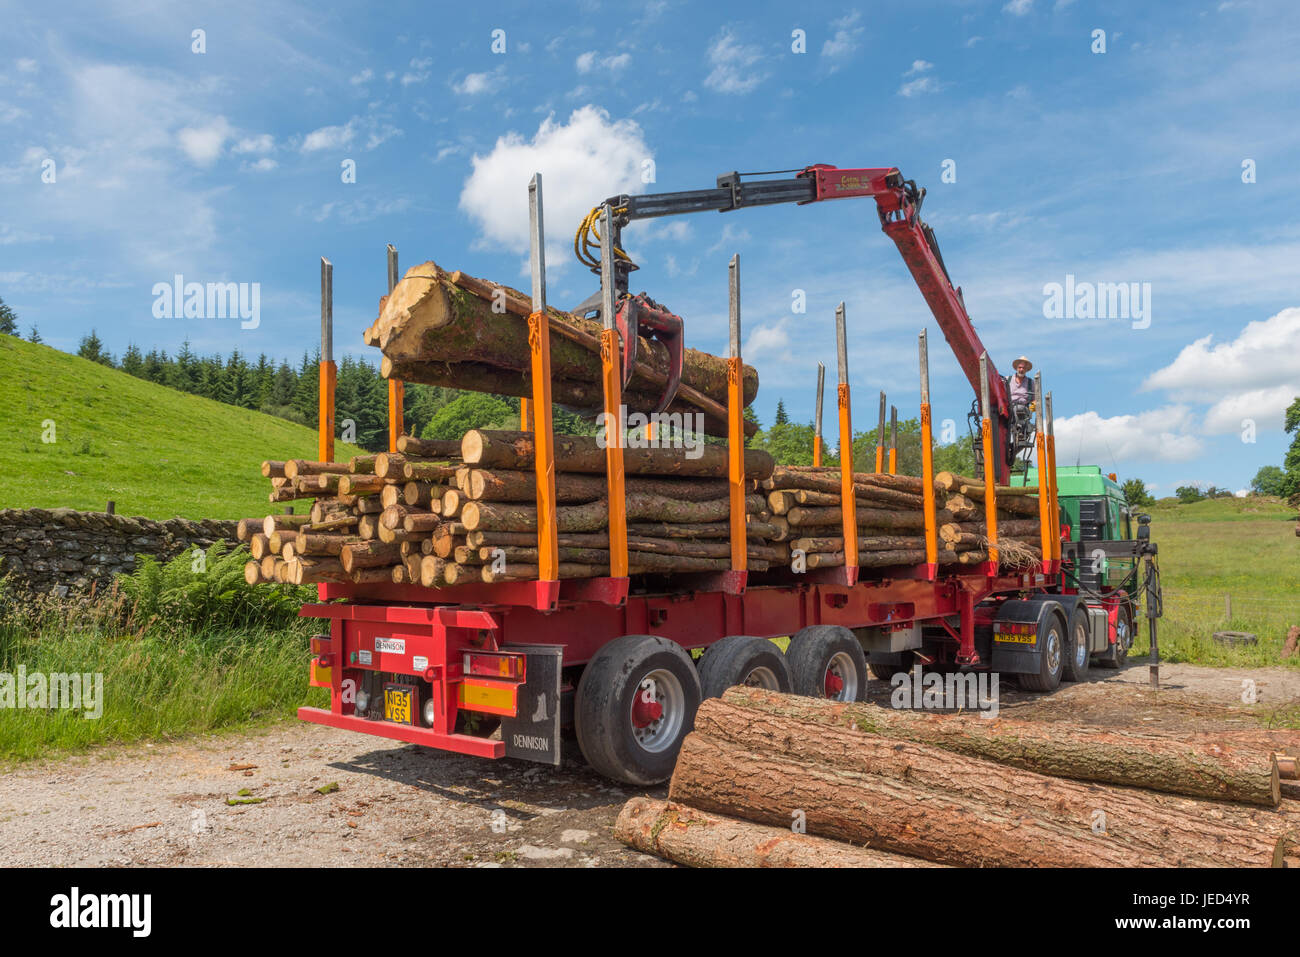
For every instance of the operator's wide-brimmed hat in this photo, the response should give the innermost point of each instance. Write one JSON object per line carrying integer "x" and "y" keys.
{"x": 1025, "y": 359}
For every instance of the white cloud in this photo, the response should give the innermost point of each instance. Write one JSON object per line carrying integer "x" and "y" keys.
{"x": 919, "y": 66}
{"x": 419, "y": 71}
{"x": 844, "y": 42}
{"x": 26, "y": 65}
{"x": 262, "y": 143}
{"x": 265, "y": 164}
{"x": 1018, "y": 8}
{"x": 329, "y": 138}
{"x": 1158, "y": 435}
{"x": 922, "y": 84}
{"x": 1262, "y": 355}
{"x": 733, "y": 65}
{"x": 363, "y": 77}
{"x": 582, "y": 162}
{"x": 770, "y": 341}
{"x": 586, "y": 62}
{"x": 476, "y": 83}
{"x": 1266, "y": 408}
{"x": 203, "y": 144}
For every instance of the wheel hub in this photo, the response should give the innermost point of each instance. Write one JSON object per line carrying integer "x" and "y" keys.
{"x": 646, "y": 710}
{"x": 834, "y": 683}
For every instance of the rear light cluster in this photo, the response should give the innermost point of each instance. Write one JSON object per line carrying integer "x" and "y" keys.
{"x": 1016, "y": 627}
{"x": 493, "y": 665}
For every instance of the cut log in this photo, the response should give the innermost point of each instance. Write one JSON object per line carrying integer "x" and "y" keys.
{"x": 421, "y": 522}
{"x": 429, "y": 448}
{"x": 360, "y": 484}
{"x": 694, "y": 838}
{"x": 432, "y": 571}
{"x": 580, "y": 453}
{"x": 1024, "y": 529}
{"x": 369, "y": 554}
{"x": 301, "y": 468}
{"x": 272, "y": 470}
{"x": 508, "y": 516}
{"x": 427, "y": 472}
{"x": 419, "y": 494}
{"x": 967, "y": 813}
{"x": 302, "y": 571}
{"x": 1200, "y": 766}
{"x": 446, "y": 537}
{"x": 253, "y": 573}
{"x": 362, "y": 464}
{"x": 873, "y": 517}
{"x": 393, "y": 517}
{"x": 273, "y": 522}
{"x": 516, "y": 485}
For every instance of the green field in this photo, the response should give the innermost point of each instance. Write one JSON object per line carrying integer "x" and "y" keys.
{"x": 1210, "y": 551}
{"x": 155, "y": 451}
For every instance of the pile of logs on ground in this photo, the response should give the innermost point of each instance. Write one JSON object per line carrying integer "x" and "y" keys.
{"x": 445, "y": 513}
{"x": 805, "y": 504}
{"x": 877, "y": 787}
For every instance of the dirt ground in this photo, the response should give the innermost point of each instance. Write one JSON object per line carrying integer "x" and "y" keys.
{"x": 389, "y": 803}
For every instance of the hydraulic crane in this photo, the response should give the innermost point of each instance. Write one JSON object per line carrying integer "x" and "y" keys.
{"x": 898, "y": 202}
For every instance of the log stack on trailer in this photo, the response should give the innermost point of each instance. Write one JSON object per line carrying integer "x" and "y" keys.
{"x": 958, "y": 790}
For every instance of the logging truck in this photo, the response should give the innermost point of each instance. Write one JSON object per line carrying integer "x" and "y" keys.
{"x": 619, "y": 663}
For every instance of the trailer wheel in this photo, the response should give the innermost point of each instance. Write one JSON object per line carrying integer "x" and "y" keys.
{"x": 1052, "y": 646}
{"x": 743, "y": 660}
{"x": 1077, "y": 656}
{"x": 826, "y": 661}
{"x": 1116, "y": 656}
{"x": 636, "y": 703}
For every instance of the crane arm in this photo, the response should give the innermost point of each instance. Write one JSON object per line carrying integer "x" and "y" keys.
{"x": 898, "y": 203}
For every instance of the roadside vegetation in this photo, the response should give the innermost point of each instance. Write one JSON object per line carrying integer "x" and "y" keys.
{"x": 181, "y": 652}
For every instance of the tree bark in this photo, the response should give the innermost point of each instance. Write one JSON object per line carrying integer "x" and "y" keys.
{"x": 909, "y": 799}
{"x": 871, "y": 517}
{"x": 429, "y": 448}
{"x": 1012, "y": 528}
{"x": 1200, "y": 766}
{"x": 301, "y": 468}
{"x": 369, "y": 554}
{"x": 694, "y": 838}
{"x": 581, "y": 453}
{"x": 518, "y": 485}
{"x": 508, "y": 516}
{"x": 428, "y": 322}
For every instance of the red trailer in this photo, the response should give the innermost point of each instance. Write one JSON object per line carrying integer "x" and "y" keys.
{"x": 505, "y": 670}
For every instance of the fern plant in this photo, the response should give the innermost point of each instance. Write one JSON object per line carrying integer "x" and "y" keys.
{"x": 199, "y": 589}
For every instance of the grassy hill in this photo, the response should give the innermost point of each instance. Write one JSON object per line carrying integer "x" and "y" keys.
{"x": 154, "y": 451}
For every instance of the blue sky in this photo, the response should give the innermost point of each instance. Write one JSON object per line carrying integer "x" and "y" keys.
{"x": 1116, "y": 166}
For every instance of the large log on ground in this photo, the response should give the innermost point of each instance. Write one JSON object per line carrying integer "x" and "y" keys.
{"x": 694, "y": 838}
{"x": 967, "y": 813}
{"x": 511, "y": 516}
{"x": 582, "y": 453}
{"x": 428, "y": 321}
{"x": 1194, "y": 766}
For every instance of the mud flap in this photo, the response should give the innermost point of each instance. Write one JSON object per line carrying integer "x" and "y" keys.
{"x": 535, "y": 734}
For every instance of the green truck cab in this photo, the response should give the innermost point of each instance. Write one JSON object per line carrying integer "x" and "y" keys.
{"x": 1095, "y": 509}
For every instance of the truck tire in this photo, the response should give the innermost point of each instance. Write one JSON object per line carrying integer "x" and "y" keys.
{"x": 826, "y": 661}
{"x": 1116, "y": 656}
{"x": 636, "y": 703}
{"x": 1077, "y": 656}
{"x": 743, "y": 660}
{"x": 1051, "y": 655}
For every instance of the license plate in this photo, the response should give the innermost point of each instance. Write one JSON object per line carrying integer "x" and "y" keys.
{"x": 1018, "y": 639}
{"x": 399, "y": 704}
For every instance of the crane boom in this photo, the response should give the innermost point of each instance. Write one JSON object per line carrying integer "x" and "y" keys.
{"x": 898, "y": 202}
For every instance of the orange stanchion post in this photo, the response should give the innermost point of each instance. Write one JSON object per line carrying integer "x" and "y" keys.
{"x": 927, "y": 468}
{"x": 880, "y": 437}
{"x": 1056, "y": 505}
{"x": 328, "y": 370}
{"x": 613, "y": 404}
{"x": 539, "y": 348}
{"x": 990, "y": 470}
{"x": 735, "y": 426}
{"x": 396, "y": 388}
{"x": 893, "y": 439}
{"x": 526, "y": 412}
{"x": 1044, "y": 478}
{"x": 817, "y": 420}
{"x": 848, "y": 499}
